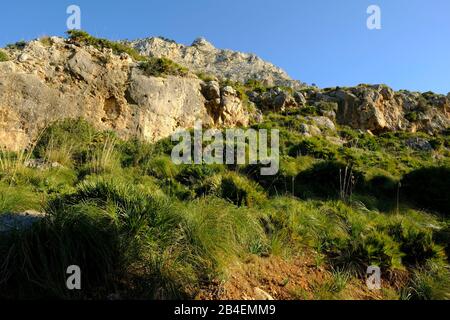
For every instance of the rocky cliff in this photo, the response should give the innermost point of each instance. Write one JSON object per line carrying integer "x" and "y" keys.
{"x": 203, "y": 57}
{"x": 55, "y": 78}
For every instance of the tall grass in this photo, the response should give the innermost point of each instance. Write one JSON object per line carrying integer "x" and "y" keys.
{"x": 12, "y": 163}
{"x": 219, "y": 232}
{"x": 103, "y": 157}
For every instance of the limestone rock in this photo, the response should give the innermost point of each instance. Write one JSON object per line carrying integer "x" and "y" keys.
{"x": 63, "y": 80}
{"x": 419, "y": 144}
{"x": 260, "y": 294}
{"x": 203, "y": 57}
{"x": 19, "y": 221}
{"x": 323, "y": 122}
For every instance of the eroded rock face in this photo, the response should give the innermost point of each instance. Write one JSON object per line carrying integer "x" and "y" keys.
{"x": 64, "y": 80}
{"x": 203, "y": 57}
{"x": 376, "y": 108}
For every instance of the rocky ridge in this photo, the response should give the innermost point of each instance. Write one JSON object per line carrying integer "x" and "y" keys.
{"x": 203, "y": 57}
{"x": 56, "y": 78}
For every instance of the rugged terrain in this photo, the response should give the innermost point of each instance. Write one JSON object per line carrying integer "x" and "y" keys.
{"x": 86, "y": 178}
{"x": 55, "y": 78}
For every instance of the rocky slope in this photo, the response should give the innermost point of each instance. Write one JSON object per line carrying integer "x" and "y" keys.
{"x": 376, "y": 108}
{"x": 203, "y": 57}
{"x": 55, "y": 78}
{"x": 44, "y": 82}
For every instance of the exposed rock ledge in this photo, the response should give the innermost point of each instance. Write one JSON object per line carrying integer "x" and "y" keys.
{"x": 46, "y": 82}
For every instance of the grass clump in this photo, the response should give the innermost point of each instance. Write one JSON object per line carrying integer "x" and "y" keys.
{"x": 156, "y": 67}
{"x": 3, "y": 56}
{"x": 65, "y": 141}
{"x": 424, "y": 187}
{"x": 237, "y": 189}
{"x": 85, "y": 38}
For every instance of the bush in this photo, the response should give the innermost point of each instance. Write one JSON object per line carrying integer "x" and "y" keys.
{"x": 162, "y": 167}
{"x": 326, "y": 179}
{"x": 85, "y": 38}
{"x": 3, "y": 56}
{"x": 156, "y": 67}
{"x": 430, "y": 282}
{"x": 315, "y": 147}
{"x": 241, "y": 191}
{"x": 65, "y": 141}
{"x": 415, "y": 242}
{"x": 428, "y": 188}
{"x": 195, "y": 174}
{"x": 34, "y": 261}
{"x": 219, "y": 232}
{"x": 158, "y": 265}
{"x": 383, "y": 186}
{"x": 135, "y": 152}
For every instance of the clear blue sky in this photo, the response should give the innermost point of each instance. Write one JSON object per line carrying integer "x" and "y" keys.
{"x": 322, "y": 41}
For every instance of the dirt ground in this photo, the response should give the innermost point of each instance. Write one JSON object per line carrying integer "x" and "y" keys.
{"x": 299, "y": 278}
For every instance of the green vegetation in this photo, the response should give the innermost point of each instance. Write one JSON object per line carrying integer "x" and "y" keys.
{"x": 85, "y": 38}
{"x": 161, "y": 67}
{"x": 3, "y": 56}
{"x": 46, "y": 41}
{"x": 142, "y": 227}
{"x": 150, "y": 65}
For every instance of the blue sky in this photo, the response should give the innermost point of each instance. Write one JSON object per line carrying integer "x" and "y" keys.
{"x": 322, "y": 41}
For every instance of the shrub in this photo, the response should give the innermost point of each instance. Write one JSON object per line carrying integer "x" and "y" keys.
{"x": 65, "y": 140}
{"x": 284, "y": 181}
{"x": 34, "y": 261}
{"x": 156, "y": 67}
{"x": 85, "y": 38}
{"x": 383, "y": 186}
{"x": 325, "y": 179}
{"x": 195, "y": 174}
{"x": 162, "y": 167}
{"x": 19, "y": 45}
{"x": 315, "y": 147}
{"x": 415, "y": 242}
{"x": 430, "y": 282}
{"x": 3, "y": 56}
{"x": 241, "y": 191}
{"x": 219, "y": 231}
{"x": 46, "y": 41}
{"x": 134, "y": 152}
{"x": 428, "y": 188}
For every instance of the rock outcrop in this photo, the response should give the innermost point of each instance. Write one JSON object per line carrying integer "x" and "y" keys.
{"x": 203, "y": 57}
{"x": 376, "y": 108}
{"x": 46, "y": 82}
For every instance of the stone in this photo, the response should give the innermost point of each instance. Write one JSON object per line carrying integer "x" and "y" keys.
{"x": 300, "y": 98}
{"x": 83, "y": 66}
{"x": 203, "y": 57}
{"x": 7, "y": 67}
{"x": 323, "y": 122}
{"x": 23, "y": 57}
{"x": 66, "y": 81}
{"x": 211, "y": 90}
{"x": 19, "y": 221}
{"x": 419, "y": 144}
{"x": 260, "y": 294}
{"x": 284, "y": 101}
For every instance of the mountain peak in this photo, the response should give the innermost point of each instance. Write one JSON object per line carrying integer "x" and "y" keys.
{"x": 203, "y": 43}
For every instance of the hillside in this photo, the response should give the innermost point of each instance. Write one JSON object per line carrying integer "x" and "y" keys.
{"x": 87, "y": 178}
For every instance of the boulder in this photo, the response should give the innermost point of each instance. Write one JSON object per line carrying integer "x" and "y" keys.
{"x": 19, "y": 221}
{"x": 419, "y": 144}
